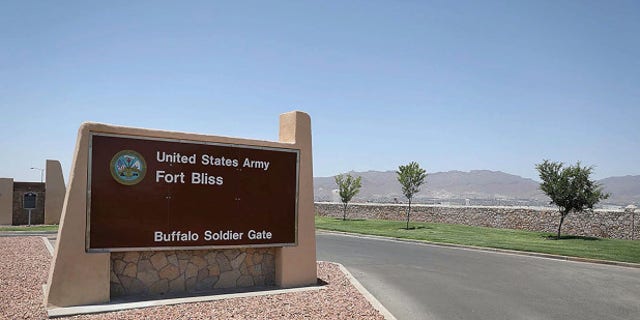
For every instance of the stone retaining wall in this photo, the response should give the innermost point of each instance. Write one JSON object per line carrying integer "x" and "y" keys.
{"x": 597, "y": 223}
{"x": 154, "y": 273}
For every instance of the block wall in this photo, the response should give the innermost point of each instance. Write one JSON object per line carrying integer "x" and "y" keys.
{"x": 595, "y": 223}
{"x": 20, "y": 215}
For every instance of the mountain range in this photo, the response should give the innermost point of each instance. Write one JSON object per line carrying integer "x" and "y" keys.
{"x": 477, "y": 187}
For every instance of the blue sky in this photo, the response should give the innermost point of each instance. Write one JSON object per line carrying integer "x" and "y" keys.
{"x": 453, "y": 85}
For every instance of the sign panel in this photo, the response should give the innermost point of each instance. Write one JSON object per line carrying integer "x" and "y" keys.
{"x": 147, "y": 193}
{"x": 29, "y": 200}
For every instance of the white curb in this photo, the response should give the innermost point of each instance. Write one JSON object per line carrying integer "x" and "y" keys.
{"x": 374, "y": 302}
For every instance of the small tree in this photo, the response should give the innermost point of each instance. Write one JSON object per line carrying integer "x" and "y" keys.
{"x": 410, "y": 177}
{"x": 348, "y": 187}
{"x": 569, "y": 188}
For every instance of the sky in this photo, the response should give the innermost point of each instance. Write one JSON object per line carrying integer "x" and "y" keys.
{"x": 452, "y": 85}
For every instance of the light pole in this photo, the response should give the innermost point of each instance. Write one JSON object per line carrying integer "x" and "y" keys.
{"x": 41, "y": 173}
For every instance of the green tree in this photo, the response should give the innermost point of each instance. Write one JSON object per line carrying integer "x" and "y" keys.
{"x": 348, "y": 187}
{"x": 569, "y": 188}
{"x": 410, "y": 177}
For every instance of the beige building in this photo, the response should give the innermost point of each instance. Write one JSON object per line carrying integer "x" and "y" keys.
{"x": 49, "y": 198}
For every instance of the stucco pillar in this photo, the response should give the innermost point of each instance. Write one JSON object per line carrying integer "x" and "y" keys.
{"x": 6, "y": 201}
{"x": 296, "y": 266}
{"x": 76, "y": 277}
{"x": 54, "y": 192}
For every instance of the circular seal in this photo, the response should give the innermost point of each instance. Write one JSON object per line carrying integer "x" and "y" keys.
{"x": 128, "y": 167}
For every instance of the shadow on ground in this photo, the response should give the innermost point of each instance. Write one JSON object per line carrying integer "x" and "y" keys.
{"x": 569, "y": 237}
{"x": 416, "y": 228}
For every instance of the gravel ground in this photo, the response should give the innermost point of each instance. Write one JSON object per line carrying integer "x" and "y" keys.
{"x": 25, "y": 264}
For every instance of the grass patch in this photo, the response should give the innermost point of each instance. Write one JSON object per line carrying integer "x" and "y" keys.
{"x": 53, "y": 227}
{"x": 542, "y": 242}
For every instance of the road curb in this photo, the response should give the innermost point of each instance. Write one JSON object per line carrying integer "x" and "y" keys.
{"x": 26, "y": 233}
{"x": 485, "y": 249}
{"x": 47, "y": 244}
{"x": 365, "y": 293}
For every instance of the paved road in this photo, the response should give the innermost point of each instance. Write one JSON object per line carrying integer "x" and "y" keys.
{"x": 416, "y": 281}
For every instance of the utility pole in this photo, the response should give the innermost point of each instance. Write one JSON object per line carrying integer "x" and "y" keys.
{"x": 41, "y": 173}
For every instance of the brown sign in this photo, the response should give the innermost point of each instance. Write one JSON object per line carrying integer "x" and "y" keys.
{"x": 147, "y": 193}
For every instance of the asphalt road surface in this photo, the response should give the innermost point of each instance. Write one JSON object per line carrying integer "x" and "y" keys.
{"x": 416, "y": 281}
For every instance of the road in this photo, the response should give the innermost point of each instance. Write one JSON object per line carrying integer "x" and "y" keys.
{"x": 416, "y": 281}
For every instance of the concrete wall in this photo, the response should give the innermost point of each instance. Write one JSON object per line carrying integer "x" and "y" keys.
{"x": 156, "y": 273}
{"x": 6, "y": 201}
{"x": 55, "y": 190}
{"x": 598, "y": 223}
{"x": 20, "y": 215}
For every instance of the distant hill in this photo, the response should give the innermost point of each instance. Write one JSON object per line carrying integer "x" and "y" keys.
{"x": 624, "y": 190}
{"x": 482, "y": 187}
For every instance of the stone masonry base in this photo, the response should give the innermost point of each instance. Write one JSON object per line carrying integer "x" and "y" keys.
{"x": 154, "y": 273}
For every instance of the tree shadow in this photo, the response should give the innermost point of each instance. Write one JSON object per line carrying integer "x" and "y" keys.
{"x": 416, "y": 228}
{"x": 570, "y": 237}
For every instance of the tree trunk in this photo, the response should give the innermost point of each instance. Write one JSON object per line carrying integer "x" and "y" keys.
{"x": 408, "y": 213}
{"x": 562, "y": 215}
{"x": 344, "y": 212}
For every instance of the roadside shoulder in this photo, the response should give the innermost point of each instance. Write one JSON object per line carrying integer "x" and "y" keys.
{"x": 485, "y": 249}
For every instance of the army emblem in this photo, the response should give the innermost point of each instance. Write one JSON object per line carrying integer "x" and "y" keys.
{"x": 128, "y": 167}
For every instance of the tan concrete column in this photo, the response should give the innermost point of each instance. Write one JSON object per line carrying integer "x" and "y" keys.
{"x": 76, "y": 277}
{"x": 54, "y": 192}
{"x": 296, "y": 266}
{"x": 6, "y": 201}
